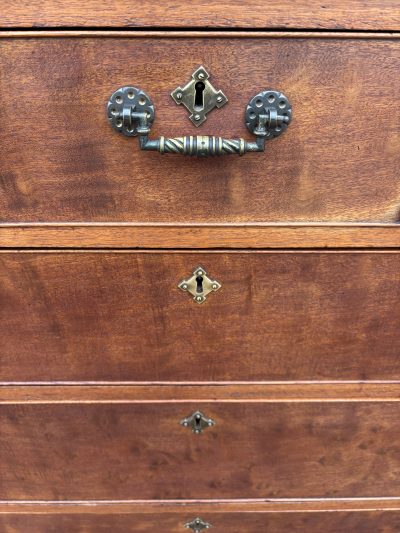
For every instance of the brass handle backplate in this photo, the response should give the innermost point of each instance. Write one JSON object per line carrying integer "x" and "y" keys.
{"x": 131, "y": 112}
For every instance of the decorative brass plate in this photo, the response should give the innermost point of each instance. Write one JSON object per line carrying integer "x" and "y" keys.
{"x": 198, "y": 422}
{"x": 197, "y": 525}
{"x": 199, "y": 285}
{"x": 199, "y": 96}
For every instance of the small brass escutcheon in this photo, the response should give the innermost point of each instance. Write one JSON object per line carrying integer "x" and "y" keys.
{"x": 199, "y": 285}
{"x": 197, "y": 525}
{"x": 199, "y": 96}
{"x": 197, "y": 422}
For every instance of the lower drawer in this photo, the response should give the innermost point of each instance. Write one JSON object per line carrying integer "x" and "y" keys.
{"x": 174, "y": 522}
{"x": 119, "y": 316}
{"x": 260, "y": 449}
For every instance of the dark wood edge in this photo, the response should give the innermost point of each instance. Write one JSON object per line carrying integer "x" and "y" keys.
{"x": 281, "y": 392}
{"x": 291, "y": 34}
{"x": 200, "y": 506}
{"x": 199, "y": 236}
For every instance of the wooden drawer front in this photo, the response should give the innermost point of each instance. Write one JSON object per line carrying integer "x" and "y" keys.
{"x": 338, "y": 161}
{"x": 351, "y": 522}
{"x": 255, "y": 450}
{"x": 120, "y": 316}
{"x": 351, "y": 15}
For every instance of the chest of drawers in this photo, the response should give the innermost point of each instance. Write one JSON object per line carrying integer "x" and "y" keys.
{"x": 208, "y": 342}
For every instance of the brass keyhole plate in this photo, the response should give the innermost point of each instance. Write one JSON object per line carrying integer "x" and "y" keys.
{"x": 199, "y": 96}
{"x": 197, "y": 525}
{"x": 199, "y": 285}
{"x": 198, "y": 422}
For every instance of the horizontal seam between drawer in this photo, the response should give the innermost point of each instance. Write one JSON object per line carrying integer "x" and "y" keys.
{"x": 197, "y": 32}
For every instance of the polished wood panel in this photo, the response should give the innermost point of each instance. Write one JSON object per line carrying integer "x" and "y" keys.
{"x": 122, "y": 392}
{"x": 366, "y": 515}
{"x": 67, "y": 164}
{"x": 120, "y": 316}
{"x": 199, "y": 236}
{"x": 351, "y": 522}
{"x": 200, "y": 506}
{"x": 257, "y": 450}
{"x": 338, "y": 14}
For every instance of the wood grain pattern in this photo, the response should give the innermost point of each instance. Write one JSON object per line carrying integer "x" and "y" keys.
{"x": 336, "y": 14}
{"x": 67, "y": 164}
{"x": 117, "y": 320}
{"x": 140, "y": 451}
{"x": 254, "y": 236}
{"x": 199, "y": 506}
{"x": 351, "y": 522}
{"x": 120, "y": 316}
{"x": 200, "y": 33}
{"x": 285, "y": 392}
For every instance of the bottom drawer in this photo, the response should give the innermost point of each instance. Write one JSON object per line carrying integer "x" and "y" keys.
{"x": 140, "y": 451}
{"x": 174, "y": 522}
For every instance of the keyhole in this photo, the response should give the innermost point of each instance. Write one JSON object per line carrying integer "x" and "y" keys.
{"x": 199, "y": 281}
{"x": 199, "y": 96}
{"x": 197, "y": 422}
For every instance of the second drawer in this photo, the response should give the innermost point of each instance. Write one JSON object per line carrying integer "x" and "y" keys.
{"x": 120, "y": 316}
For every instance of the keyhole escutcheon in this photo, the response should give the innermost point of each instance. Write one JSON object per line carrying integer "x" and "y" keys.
{"x": 199, "y": 285}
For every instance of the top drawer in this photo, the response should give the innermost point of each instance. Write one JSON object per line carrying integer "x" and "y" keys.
{"x": 61, "y": 161}
{"x": 340, "y": 14}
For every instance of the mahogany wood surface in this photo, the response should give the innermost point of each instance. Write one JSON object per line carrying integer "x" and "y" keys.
{"x": 350, "y": 522}
{"x": 256, "y": 236}
{"x": 65, "y": 163}
{"x": 295, "y": 358}
{"x": 255, "y": 450}
{"x": 120, "y": 316}
{"x": 198, "y": 33}
{"x": 336, "y": 14}
{"x": 200, "y": 506}
{"x": 269, "y": 392}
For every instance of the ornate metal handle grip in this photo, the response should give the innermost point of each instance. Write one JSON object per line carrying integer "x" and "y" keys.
{"x": 131, "y": 112}
{"x": 201, "y": 145}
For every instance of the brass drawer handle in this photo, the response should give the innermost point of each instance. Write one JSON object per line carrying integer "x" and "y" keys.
{"x": 131, "y": 112}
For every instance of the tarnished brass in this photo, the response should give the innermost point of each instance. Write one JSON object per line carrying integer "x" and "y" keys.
{"x": 199, "y": 285}
{"x": 197, "y": 422}
{"x": 202, "y": 145}
{"x": 199, "y": 96}
{"x": 197, "y": 525}
{"x": 131, "y": 112}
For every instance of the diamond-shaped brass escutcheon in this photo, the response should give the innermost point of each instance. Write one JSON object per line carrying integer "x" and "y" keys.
{"x": 197, "y": 525}
{"x": 197, "y": 422}
{"x": 199, "y": 96}
{"x": 199, "y": 285}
